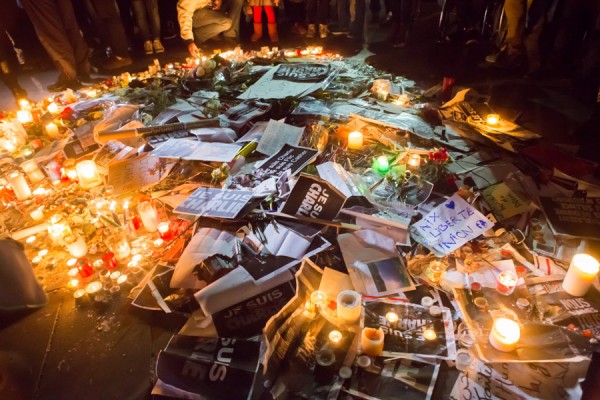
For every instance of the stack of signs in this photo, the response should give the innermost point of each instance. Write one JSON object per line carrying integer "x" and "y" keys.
{"x": 573, "y": 216}
{"x": 314, "y": 198}
{"x": 218, "y": 203}
{"x": 449, "y": 226}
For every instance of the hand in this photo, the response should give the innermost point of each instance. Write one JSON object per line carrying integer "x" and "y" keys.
{"x": 217, "y": 5}
{"x": 193, "y": 50}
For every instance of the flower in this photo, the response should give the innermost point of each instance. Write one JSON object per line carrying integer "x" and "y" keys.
{"x": 66, "y": 113}
{"x": 439, "y": 156}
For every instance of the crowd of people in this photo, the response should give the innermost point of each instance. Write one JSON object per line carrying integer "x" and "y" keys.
{"x": 72, "y": 30}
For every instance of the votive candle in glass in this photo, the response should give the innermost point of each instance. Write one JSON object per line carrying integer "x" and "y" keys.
{"x": 88, "y": 174}
{"x": 76, "y": 246}
{"x": 506, "y": 282}
{"x": 149, "y": 216}
{"x": 33, "y": 171}
{"x": 19, "y": 185}
{"x": 355, "y": 140}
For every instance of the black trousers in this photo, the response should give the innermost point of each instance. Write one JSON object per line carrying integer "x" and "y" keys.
{"x": 58, "y": 31}
{"x": 317, "y": 11}
{"x": 108, "y": 13}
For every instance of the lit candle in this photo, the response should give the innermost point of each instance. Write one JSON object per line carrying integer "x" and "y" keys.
{"x": 121, "y": 249}
{"x": 335, "y": 336}
{"x": 429, "y": 334}
{"x": 88, "y": 174}
{"x": 355, "y": 140}
{"x": 163, "y": 230}
{"x": 73, "y": 283}
{"x": 371, "y": 341}
{"x": 122, "y": 280}
{"x": 381, "y": 165}
{"x": 37, "y": 214}
{"x": 115, "y": 275}
{"x": 52, "y": 130}
{"x": 85, "y": 268}
{"x": 30, "y": 239}
{"x": 149, "y": 216}
{"x": 506, "y": 283}
{"x": 392, "y": 318}
{"x": 136, "y": 258}
{"x": 19, "y": 185}
{"x": 24, "y": 116}
{"x": 581, "y": 274}
{"x": 158, "y": 242}
{"x": 318, "y": 298}
{"x": 81, "y": 297}
{"x": 492, "y": 119}
{"x": 414, "y": 161}
{"x": 110, "y": 262}
{"x": 505, "y": 334}
{"x": 24, "y": 104}
{"x": 36, "y": 259}
{"x": 52, "y": 108}
{"x": 348, "y": 306}
{"x": 76, "y": 246}
{"x": 33, "y": 171}
{"x": 93, "y": 287}
{"x": 58, "y": 229}
{"x": 73, "y": 271}
{"x": 43, "y": 252}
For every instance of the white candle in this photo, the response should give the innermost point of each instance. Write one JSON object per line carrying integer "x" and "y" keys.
{"x": 149, "y": 216}
{"x": 348, "y": 306}
{"x": 122, "y": 249}
{"x": 335, "y": 336}
{"x": 355, "y": 140}
{"x": 58, "y": 229}
{"x": 414, "y": 161}
{"x": 19, "y": 185}
{"x": 318, "y": 298}
{"x": 24, "y": 104}
{"x": 37, "y": 214}
{"x": 93, "y": 287}
{"x": 429, "y": 334}
{"x": 371, "y": 341}
{"x": 505, "y": 334}
{"x": 24, "y": 116}
{"x": 52, "y": 108}
{"x": 52, "y": 130}
{"x": 33, "y": 171}
{"x": 581, "y": 274}
{"x": 492, "y": 119}
{"x": 88, "y": 174}
{"x": 76, "y": 246}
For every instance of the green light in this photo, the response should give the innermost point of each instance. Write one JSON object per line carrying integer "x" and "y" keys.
{"x": 381, "y": 165}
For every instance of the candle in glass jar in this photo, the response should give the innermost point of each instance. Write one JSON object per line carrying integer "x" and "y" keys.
{"x": 355, "y": 140}
{"x": 33, "y": 171}
{"x": 335, "y": 336}
{"x": 581, "y": 274}
{"x": 52, "y": 108}
{"x": 414, "y": 161}
{"x": 76, "y": 246}
{"x": 52, "y": 130}
{"x": 348, "y": 306}
{"x": 506, "y": 283}
{"x": 505, "y": 334}
{"x": 37, "y": 214}
{"x": 371, "y": 341}
{"x": 164, "y": 231}
{"x": 85, "y": 268}
{"x": 149, "y": 216}
{"x": 318, "y": 298}
{"x": 24, "y": 116}
{"x": 122, "y": 249}
{"x": 19, "y": 185}
{"x": 381, "y": 165}
{"x": 58, "y": 229}
{"x": 110, "y": 261}
{"x": 88, "y": 174}
{"x": 93, "y": 287}
{"x": 73, "y": 283}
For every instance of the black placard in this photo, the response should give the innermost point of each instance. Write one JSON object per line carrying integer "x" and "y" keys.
{"x": 573, "y": 216}
{"x": 219, "y": 203}
{"x": 313, "y": 197}
{"x": 305, "y": 72}
{"x": 289, "y": 157}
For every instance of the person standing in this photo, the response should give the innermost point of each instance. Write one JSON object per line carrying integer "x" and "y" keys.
{"x": 257, "y": 9}
{"x": 148, "y": 21}
{"x": 59, "y": 33}
{"x": 108, "y": 14}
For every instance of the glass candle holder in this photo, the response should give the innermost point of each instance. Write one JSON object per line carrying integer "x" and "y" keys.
{"x": 355, "y": 140}
{"x": 149, "y": 216}
{"x": 88, "y": 174}
{"x": 19, "y": 185}
{"x": 58, "y": 228}
{"x": 110, "y": 261}
{"x": 506, "y": 282}
{"x": 33, "y": 171}
{"x": 505, "y": 334}
{"x": 85, "y": 268}
{"x": 76, "y": 246}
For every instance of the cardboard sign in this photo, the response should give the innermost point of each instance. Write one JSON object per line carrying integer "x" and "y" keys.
{"x": 573, "y": 216}
{"x": 314, "y": 198}
{"x": 289, "y": 157}
{"x": 220, "y": 203}
{"x": 505, "y": 203}
{"x": 449, "y": 226}
{"x": 134, "y": 173}
{"x": 248, "y": 318}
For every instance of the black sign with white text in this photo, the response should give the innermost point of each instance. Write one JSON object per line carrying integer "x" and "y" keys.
{"x": 219, "y": 203}
{"x": 289, "y": 157}
{"x": 313, "y": 197}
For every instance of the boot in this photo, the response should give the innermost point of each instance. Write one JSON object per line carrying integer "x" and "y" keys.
{"x": 10, "y": 79}
{"x": 273, "y": 33}
{"x": 258, "y": 30}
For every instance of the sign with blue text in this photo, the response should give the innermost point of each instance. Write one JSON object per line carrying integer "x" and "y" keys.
{"x": 449, "y": 226}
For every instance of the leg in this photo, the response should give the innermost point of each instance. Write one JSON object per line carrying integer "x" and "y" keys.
{"x": 343, "y": 11}
{"x": 516, "y": 11}
{"x": 357, "y": 18}
{"x": 80, "y": 48}
{"x": 375, "y": 7}
{"x": 258, "y": 26}
{"x": 272, "y": 24}
{"x": 109, "y": 15}
{"x": 233, "y": 8}
{"x": 139, "y": 12}
{"x": 208, "y": 24}
{"x": 311, "y": 11}
{"x": 322, "y": 11}
{"x": 153, "y": 17}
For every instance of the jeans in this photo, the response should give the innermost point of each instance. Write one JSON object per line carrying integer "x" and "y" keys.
{"x": 146, "y": 11}
{"x": 358, "y": 10}
{"x": 209, "y": 23}
{"x": 317, "y": 11}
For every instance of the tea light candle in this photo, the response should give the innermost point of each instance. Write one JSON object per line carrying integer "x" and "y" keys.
{"x": 37, "y": 214}
{"x": 52, "y": 108}
{"x": 36, "y": 259}
{"x": 392, "y": 318}
{"x": 324, "y": 368}
{"x": 163, "y": 230}
{"x": 30, "y": 239}
{"x": 355, "y": 140}
{"x": 115, "y": 275}
{"x": 463, "y": 359}
{"x": 371, "y": 341}
{"x": 158, "y": 242}
{"x": 429, "y": 335}
{"x": 348, "y": 306}
{"x": 414, "y": 161}
{"x": 85, "y": 268}
{"x": 581, "y": 274}
{"x": 93, "y": 288}
{"x": 122, "y": 280}
{"x": 33, "y": 171}
{"x": 24, "y": 116}
{"x": 149, "y": 216}
{"x": 76, "y": 245}
{"x": 73, "y": 271}
{"x": 43, "y": 252}
{"x": 506, "y": 283}
{"x": 335, "y": 336}
{"x": 492, "y": 119}
{"x": 52, "y": 130}
{"x": 19, "y": 185}
{"x": 318, "y": 298}
{"x": 88, "y": 174}
{"x": 505, "y": 334}
{"x": 73, "y": 283}
{"x": 382, "y": 165}
{"x": 81, "y": 297}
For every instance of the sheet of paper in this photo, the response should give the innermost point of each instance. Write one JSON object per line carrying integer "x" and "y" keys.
{"x": 505, "y": 202}
{"x": 134, "y": 173}
{"x": 276, "y": 135}
{"x": 219, "y": 152}
{"x": 222, "y": 135}
{"x": 219, "y": 203}
{"x": 334, "y": 282}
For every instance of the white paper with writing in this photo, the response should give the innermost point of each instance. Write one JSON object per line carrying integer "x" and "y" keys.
{"x": 277, "y": 134}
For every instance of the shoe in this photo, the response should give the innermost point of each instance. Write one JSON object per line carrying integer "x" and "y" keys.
{"x": 273, "y": 35}
{"x": 61, "y": 85}
{"x": 258, "y": 32}
{"x": 148, "y": 47}
{"x": 323, "y": 31}
{"x": 506, "y": 60}
{"x": 88, "y": 80}
{"x": 312, "y": 31}
{"x": 339, "y": 32}
{"x": 298, "y": 29}
{"x": 157, "y": 46}
{"x": 387, "y": 21}
{"x": 117, "y": 62}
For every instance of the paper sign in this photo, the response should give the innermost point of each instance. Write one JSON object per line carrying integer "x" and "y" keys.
{"x": 505, "y": 203}
{"x": 194, "y": 150}
{"x": 134, "y": 173}
{"x": 573, "y": 216}
{"x": 314, "y": 198}
{"x": 276, "y": 135}
{"x": 289, "y": 157}
{"x": 220, "y": 203}
{"x": 449, "y": 226}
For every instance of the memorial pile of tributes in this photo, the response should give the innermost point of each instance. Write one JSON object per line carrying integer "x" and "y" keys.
{"x": 329, "y": 233}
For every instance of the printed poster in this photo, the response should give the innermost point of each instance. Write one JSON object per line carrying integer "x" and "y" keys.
{"x": 313, "y": 197}
{"x": 218, "y": 203}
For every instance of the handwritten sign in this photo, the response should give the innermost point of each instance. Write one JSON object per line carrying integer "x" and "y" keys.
{"x": 505, "y": 203}
{"x": 289, "y": 157}
{"x": 573, "y": 216}
{"x": 449, "y": 226}
{"x": 212, "y": 202}
{"x": 134, "y": 173}
{"x": 314, "y": 198}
